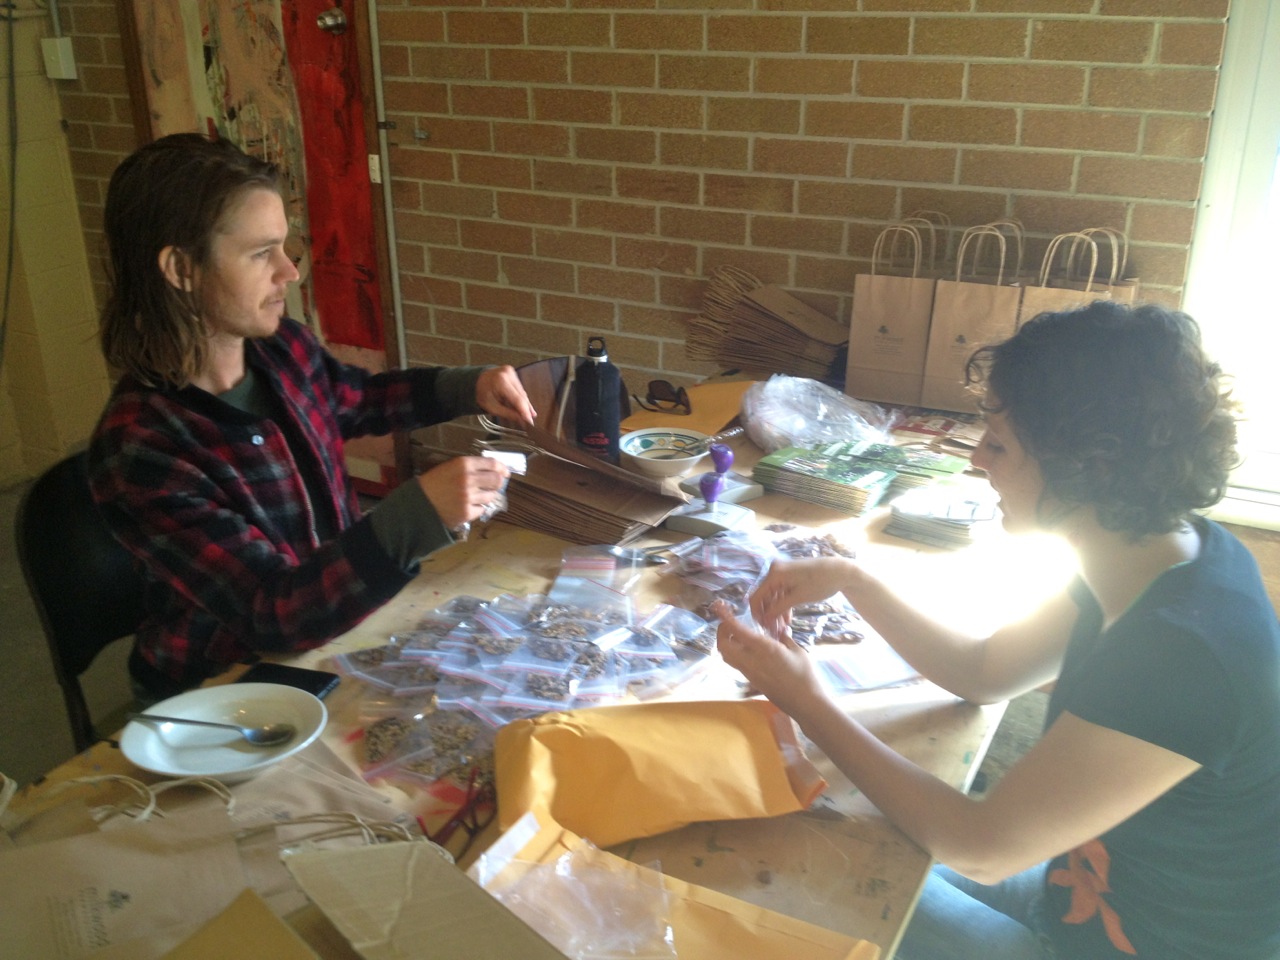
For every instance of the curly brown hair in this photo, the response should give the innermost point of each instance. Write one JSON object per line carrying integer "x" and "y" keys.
{"x": 1121, "y": 409}
{"x": 170, "y": 192}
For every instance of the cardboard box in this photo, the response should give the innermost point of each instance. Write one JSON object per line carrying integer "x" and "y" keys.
{"x": 398, "y": 900}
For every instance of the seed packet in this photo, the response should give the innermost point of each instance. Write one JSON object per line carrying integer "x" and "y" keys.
{"x": 585, "y": 599}
{"x": 377, "y": 704}
{"x": 464, "y": 666}
{"x": 403, "y": 678}
{"x": 539, "y": 691}
{"x": 828, "y": 621}
{"x": 602, "y": 564}
{"x": 600, "y": 685}
{"x": 354, "y": 662}
{"x": 420, "y": 747}
{"x": 491, "y": 636}
{"x": 431, "y": 635}
{"x": 396, "y": 733}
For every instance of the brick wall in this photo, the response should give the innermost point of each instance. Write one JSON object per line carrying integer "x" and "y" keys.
{"x": 97, "y": 112}
{"x": 563, "y": 168}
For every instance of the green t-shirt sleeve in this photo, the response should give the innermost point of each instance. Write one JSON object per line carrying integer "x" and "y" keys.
{"x": 407, "y": 526}
{"x": 455, "y": 388}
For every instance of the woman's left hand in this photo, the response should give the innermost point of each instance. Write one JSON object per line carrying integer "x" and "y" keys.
{"x": 500, "y": 392}
{"x": 777, "y": 667}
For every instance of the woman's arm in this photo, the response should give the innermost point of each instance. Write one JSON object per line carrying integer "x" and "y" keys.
{"x": 1016, "y": 658}
{"x": 1078, "y": 781}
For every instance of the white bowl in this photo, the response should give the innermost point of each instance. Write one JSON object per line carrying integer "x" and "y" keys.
{"x": 183, "y": 750}
{"x": 656, "y": 451}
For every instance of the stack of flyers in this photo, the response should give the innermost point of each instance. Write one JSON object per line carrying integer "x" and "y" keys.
{"x": 915, "y": 466}
{"x": 942, "y": 515}
{"x": 833, "y": 475}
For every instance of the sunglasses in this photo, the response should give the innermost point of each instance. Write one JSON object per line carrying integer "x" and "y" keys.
{"x": 664, "y": 398}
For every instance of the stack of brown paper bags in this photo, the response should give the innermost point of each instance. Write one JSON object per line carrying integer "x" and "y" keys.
{"x": 582, "y": 506}
{"x": 765, "y": 328}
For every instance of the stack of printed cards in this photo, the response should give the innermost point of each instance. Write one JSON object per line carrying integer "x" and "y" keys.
{"x": 942, "y": 514}
{"x": 833, "y": 475}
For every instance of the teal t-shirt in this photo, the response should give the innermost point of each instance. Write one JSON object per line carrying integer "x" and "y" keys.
{"x": 1194, "y": 667}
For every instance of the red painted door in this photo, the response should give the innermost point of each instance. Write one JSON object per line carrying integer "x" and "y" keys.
{"x": 343, "y": 251}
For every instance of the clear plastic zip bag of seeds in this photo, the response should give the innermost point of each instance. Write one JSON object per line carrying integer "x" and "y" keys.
{"x": 426, "y": 747}
{"x": 352, "y": 663}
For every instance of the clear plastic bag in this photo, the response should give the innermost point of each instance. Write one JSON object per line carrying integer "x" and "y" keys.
{"x": 788, "y": 411}
{"x": 589, "y": 906}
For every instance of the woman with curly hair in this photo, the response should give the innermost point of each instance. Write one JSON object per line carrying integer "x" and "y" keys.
{"x": 1146, "y": 820}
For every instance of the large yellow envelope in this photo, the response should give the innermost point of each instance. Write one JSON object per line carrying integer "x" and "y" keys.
{"x": 615, "y": 773}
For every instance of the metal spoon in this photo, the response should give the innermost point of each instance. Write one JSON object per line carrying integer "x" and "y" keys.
{"x": 695, "y": 449}
{"x": 266, "y": 735}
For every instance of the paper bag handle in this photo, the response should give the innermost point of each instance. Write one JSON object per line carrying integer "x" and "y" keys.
{"x": 925, "y": 224}
{"x": 895, "y": 230}
{"x": 939, "y": 220}
{"x": 1119, "y": 252}
{"x": 980, "y": 233}
{"x": 1016, "y": 231}
{"x": 1079, "y": 240}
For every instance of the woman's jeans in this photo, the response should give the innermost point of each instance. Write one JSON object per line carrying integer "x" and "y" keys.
{"x": 959, "y": 919}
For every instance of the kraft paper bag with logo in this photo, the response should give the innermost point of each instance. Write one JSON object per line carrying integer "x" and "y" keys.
{"x": 969, "y": 311}
{"x": 889, "y": 329}
{"x": 615, "y": 773}
{"x": 1042, "y": 298}
{"x": 1110, "y": 275}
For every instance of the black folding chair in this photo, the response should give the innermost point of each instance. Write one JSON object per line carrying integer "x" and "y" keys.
{"x": 85, "y": 587}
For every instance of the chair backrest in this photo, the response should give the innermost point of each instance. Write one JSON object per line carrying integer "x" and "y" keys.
{"x": 85, "y": 586}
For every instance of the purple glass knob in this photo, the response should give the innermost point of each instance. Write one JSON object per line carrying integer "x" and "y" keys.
{"x": 722, "y": 457}
{"x": 712, "y": 485}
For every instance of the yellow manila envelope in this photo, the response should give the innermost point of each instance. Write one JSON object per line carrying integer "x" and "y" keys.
{"x": 616, "y": 773}
{"x": 704, "y": 923}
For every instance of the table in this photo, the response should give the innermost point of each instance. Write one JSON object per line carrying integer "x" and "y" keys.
{"x": 840, "y": 864}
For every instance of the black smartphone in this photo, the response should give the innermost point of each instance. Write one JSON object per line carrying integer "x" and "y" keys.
{"x": 318, "y": 682}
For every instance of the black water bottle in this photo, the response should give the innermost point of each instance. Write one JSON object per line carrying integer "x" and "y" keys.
{"x": 597, "y": 402}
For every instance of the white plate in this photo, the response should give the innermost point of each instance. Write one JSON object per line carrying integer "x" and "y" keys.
{"x": 183, "y": 750}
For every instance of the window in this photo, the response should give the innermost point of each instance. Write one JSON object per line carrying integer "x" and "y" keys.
{"x": 1236, "y": 251}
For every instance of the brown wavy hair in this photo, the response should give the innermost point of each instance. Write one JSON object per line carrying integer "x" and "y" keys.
{"x": 171, "y": 192}
{"x": 1120, "y": 407}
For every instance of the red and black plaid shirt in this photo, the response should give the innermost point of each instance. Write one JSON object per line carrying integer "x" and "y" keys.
{"x": 211, "y": 500}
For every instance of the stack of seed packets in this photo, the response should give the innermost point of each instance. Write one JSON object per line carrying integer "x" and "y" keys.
{"x": 914, "y": 466}
{"x": 942, "y": 514}
{"x": 833, "y": 475}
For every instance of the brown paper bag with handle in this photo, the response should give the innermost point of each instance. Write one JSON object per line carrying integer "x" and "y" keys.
{"x": 889, "y": 327}
{"x": 1111, "y": 276}
{"x": 968, "y": 312}
{"x": 1042, "y": 298}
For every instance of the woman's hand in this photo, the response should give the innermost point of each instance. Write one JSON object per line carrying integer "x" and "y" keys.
{"x": 779, "y": 668}
{"x": 461, "y": 488}
{"x": 790, "y": 583}
{"x": 500, "y": 392}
